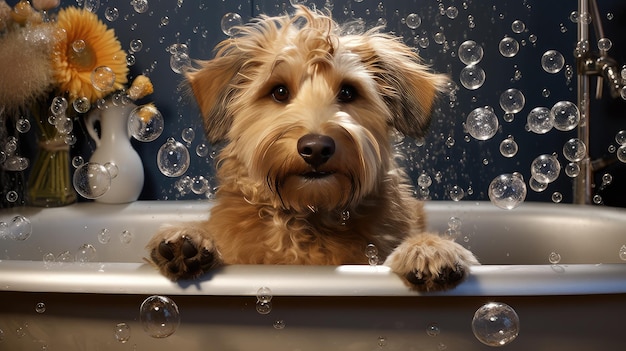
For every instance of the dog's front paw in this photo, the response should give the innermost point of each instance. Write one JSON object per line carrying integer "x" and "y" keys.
{"x": 427, "y": 262}
{"x": 182, "y": 253}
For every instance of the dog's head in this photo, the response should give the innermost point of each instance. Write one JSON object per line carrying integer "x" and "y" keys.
{"x": 307, "y": 112}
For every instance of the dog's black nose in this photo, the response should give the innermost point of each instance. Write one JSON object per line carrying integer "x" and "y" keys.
{"x": 316, "y": 149}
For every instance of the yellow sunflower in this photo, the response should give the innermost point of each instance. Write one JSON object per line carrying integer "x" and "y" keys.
{"x": 87, "y": 47}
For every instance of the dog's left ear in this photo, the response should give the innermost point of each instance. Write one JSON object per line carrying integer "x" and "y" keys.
{"x": 407, "y": 85}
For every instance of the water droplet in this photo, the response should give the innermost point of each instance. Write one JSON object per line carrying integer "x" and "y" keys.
{"x": 159, "y": 316}
{"x": 122, "y": 332}
{"x": 566, "y": 115}
{"x": 574, "y": 150}
{"x": 104, "y": 236}
{"x": 508, "y": 47}
{"x": 173, "y": 158}
{"x": 540, "y": 120}
{"x": 146, "y": 123}
{"x": 264, "y": 295}
{"x": 40, "y": 307}
{"x": 91, "y": 180}
{"x": 482, "y": 123}
{"x": 229, "y": 23}
{"x": 512, "y": 101}
{"x": 472, "y": 77}
{"x": 86, "y": 253}
{"x": 126, "y": 237}
{"x": 495, "y": 324}
{"x": 507, "y": 191}
{"x": 470, "y": 53}
{"x": 508, "y": 147}
{"x": 554, "y": 257}
{"x": 545, "y": 168}
{"x": 552, "y": 61}
{"x": 413, "y": 20}
{"x": 518, "y": 26}
{"x": 103, "y": 78}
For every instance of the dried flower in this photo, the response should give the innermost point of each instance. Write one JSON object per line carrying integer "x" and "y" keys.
{"x": 141, "y": 87}
{"x": 147, "y": 112}
{"x": 88, "y": 45}
{"x": 45, "y": 5}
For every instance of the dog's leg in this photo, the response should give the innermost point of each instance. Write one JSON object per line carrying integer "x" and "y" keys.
{"x": 183, "y": 252}
{"x": 428, "y": 262}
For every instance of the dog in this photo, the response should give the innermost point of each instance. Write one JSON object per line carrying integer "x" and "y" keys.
{"x": 307, "y": 173}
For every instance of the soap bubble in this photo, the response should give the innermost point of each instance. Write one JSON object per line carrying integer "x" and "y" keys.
{"x": 371, "y": 251}
{"x": 413, "y": 20}
{"x": 77, "y": 161}
{"x": 229, "y": 23}
{"x": 104, "y": 236}
{"x": 188, "y": 134}
{"x": 199, "y": 185}
{"x": 103, "y": 78}
{"x": 40, "y": 307}
{"x": 91, "y": 180}
{"x": 22, "y": 125}
{"x": 145, "y": 123}
{"x": 456, "y": 193}
{"x": 537, "y": 186}
{"x": 545, "y": 168}
{"x": 540, "y": 120}
{"x": 140, "y": 6}
{"x": 572, "y": 169}
{"x": 470, "y": 53}
{"x": 507, "y": 191}
{"x": 508, "y": 147}
{"x": 622, "y": 253}
{"x": 58, "y": 106}
{"x": 482, "y": 123}
{"x": 12, "y": 196}
{"x": 180, "y": 62}
{"x": 605, "y": 44}
{"x": 264, "y": 295}
{"x": 263, "y": 307}
{"x": 15, "y": 163}
{"x": 452, "y": 12}
{"x": 173, "y": 158}
{"x": 472, "y": 77}
{"x": 202, "y": 150}
{"x": 279, "y": 324}
{"x": 554, "y": 257}
{"x": 495, "y": 324}
{"x": 552, "y": 61}
{"x": 424, "y": 180}
{"x": 620, "y": 137}
{"x": 85, "y": 253}
{"x": 621, "y": 153}
{"x": 557, "y": 197}
{"x": 81, "y": 104}
{"x": 19, "y": 228}
{"x": 78, "y": 45}
{"x": 111, "y": 13}
{"x": 126, "y": 237}
{"x": 574, "y": 150}
{"x": 135, "y": 45}
{"x": 512, "y": 101}
{"x": 518, "y": 26}
{"x": 566, "y": 115}
{"x": 508, "y": 47}
{"x": 159, "y": 316}
{"x": 433, "y": 330}
{"x": 122, "y": 332}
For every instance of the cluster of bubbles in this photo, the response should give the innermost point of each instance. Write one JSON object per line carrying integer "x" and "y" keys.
{"x": 159, "y": 316}
{"x": 9, "y": 159}
{"x": 180, "y": 61}
{"x": 495, "y": 324}
{"x": 18, "y": 228}
{"x": 620, "y": 138}
{"x": 371, "y": 252}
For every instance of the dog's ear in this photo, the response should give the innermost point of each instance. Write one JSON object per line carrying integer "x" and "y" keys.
{"x": 408, "y": 87}
{"x": 213, "y": 85}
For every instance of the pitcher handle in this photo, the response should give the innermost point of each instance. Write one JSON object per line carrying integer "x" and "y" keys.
{"x": 91, "y": 119}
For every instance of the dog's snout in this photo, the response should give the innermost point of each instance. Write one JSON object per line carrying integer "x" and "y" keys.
{"x": 316, "y": 149}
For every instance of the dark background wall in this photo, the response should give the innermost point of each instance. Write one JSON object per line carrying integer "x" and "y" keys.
{"x": 448, "y": 155}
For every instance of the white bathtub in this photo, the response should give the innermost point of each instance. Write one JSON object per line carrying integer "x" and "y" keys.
{"x": 577, "y": 304}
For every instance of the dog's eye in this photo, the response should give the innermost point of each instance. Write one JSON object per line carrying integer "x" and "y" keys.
{"x": 280, "y": 93}
{"x": 347, "y": 93}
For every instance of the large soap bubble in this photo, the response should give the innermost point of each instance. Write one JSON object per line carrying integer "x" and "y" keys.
{"x": 482, "y": 123}
{"x": 540, "y": 120}
{"x": 508, "y": 47}
{"x": 512, "y": 101}
{"x": 145, "y": 123}
{"x": 545, "y": 168}
{"x": 574, "y": 150}
{"x": 229, "y": 23}
{"x": 495, "y": 324}
{"x": 507, "y": 191}
{"x": 552, "y": 61}
{"x": 159, "y": 316}
{"x": 173, "y": 158}
{"x": 566, "y": 115}
{"x": 470, "y": 53}
{"x": 91, "y": 180}
{"x": 472, "y": 77}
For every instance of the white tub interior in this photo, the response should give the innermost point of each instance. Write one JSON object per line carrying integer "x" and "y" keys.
{"x": 577, "y": 303}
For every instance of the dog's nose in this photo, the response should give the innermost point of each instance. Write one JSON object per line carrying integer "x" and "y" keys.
{"x": 316, "y": 149}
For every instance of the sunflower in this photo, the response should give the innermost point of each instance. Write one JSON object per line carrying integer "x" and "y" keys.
{"x": 88, "y": 47}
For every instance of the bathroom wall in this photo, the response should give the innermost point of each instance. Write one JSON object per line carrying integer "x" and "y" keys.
{"x": 460, "y": 166}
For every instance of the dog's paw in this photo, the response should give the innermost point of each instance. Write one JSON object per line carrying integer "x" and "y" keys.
{"x": 182, "y": 253}
{"x": 427, "y": 262}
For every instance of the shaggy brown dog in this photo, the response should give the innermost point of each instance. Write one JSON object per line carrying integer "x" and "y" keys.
{"x": 307, "y": 175}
